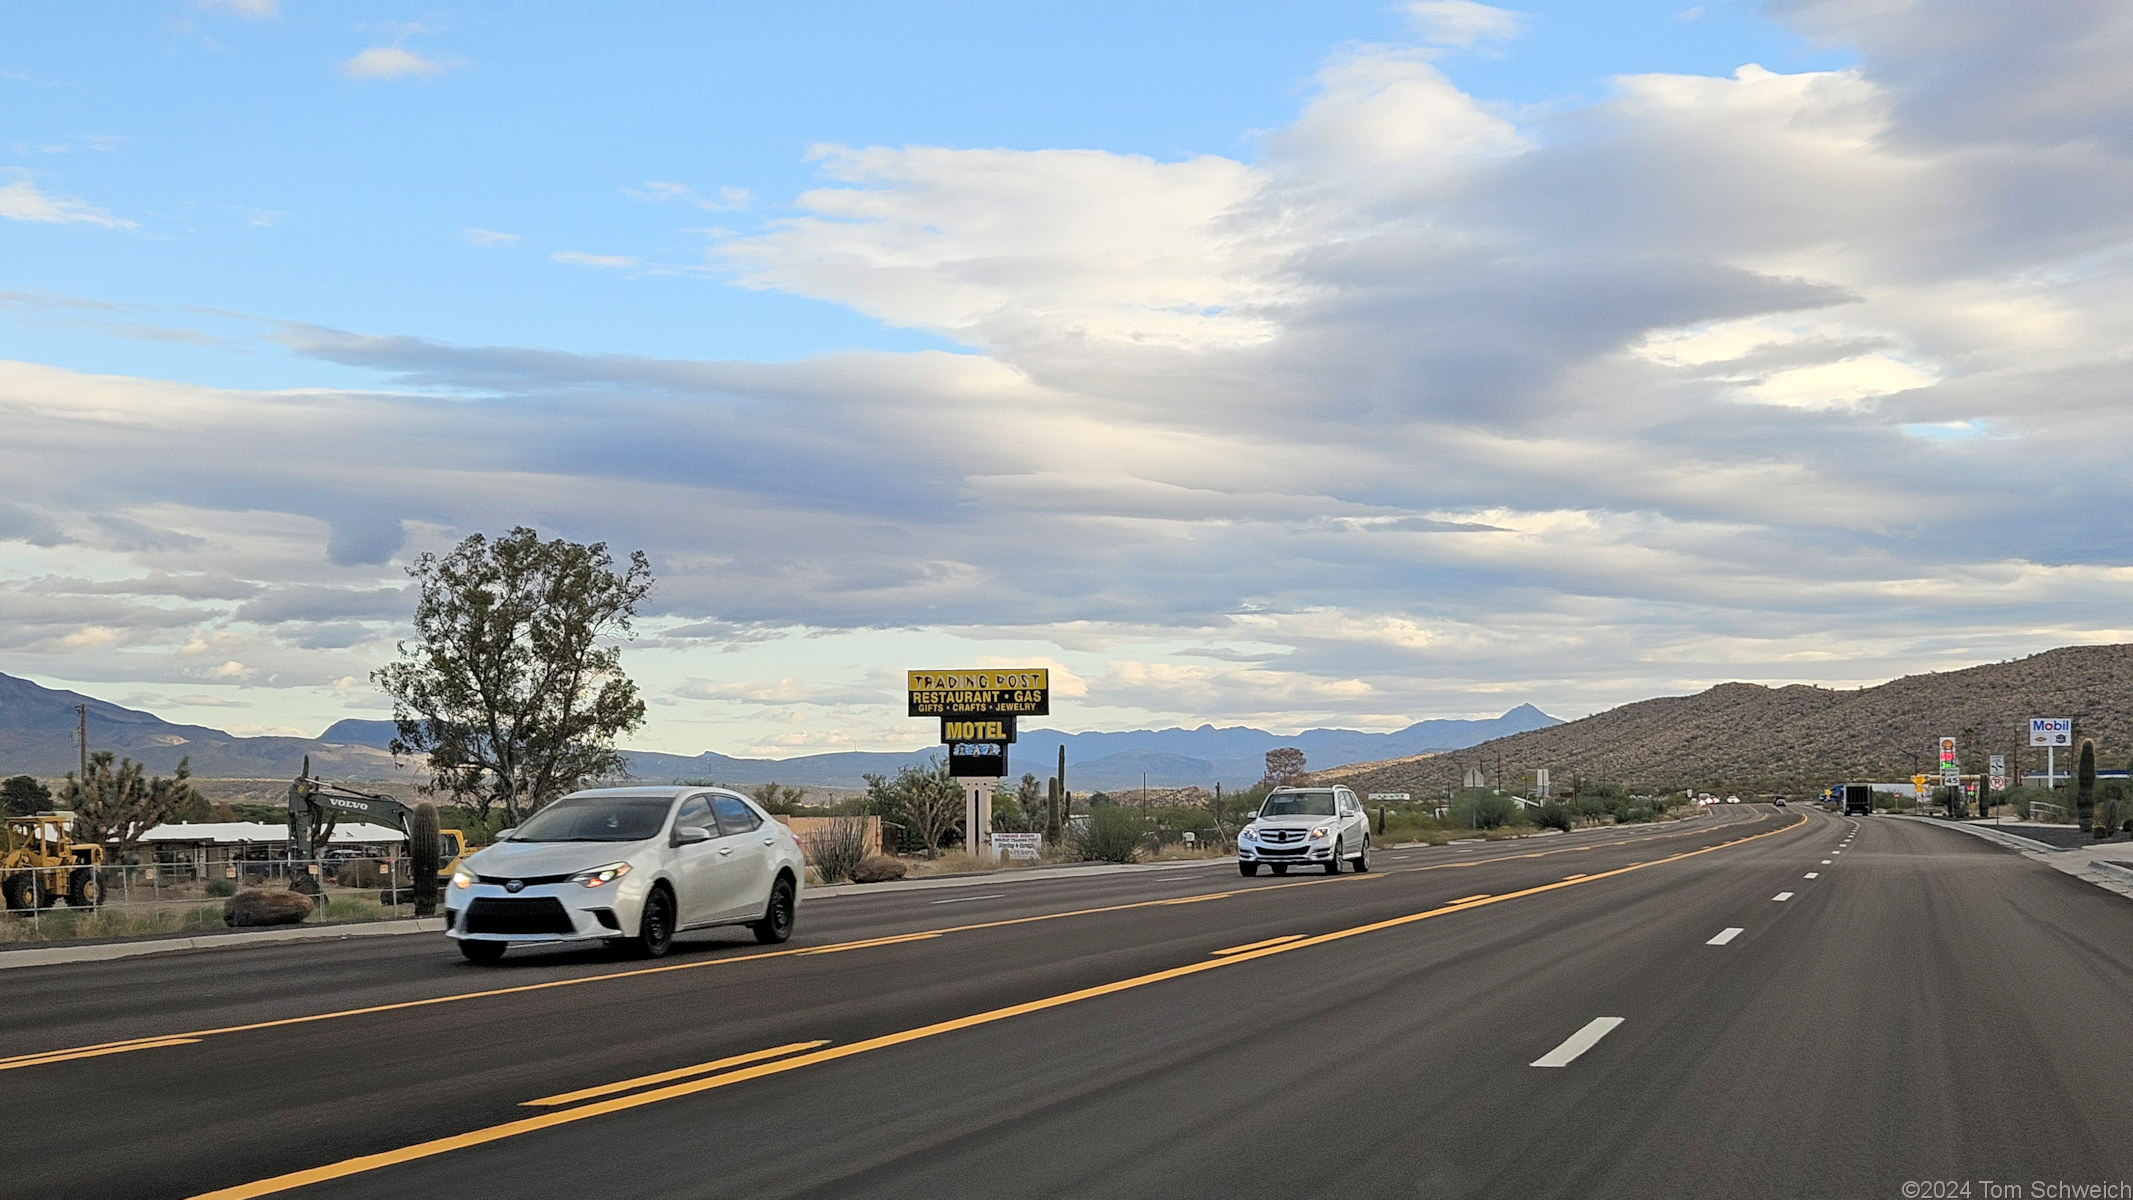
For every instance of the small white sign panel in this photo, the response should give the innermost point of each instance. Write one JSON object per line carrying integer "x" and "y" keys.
{"x": 1397, "y": 797}
{"x": 1019, "y": 845}
{"x": 2051, "y": 731}
{"x": 1997, "y": 768}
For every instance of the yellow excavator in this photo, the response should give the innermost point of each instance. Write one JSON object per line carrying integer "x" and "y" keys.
{"x": 42, "y": 862}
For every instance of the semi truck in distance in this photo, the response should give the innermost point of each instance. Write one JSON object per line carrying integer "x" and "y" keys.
{"x": 1854, "y": 799}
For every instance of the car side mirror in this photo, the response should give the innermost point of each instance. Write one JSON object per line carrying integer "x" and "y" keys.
{"x": 689, "y": 835}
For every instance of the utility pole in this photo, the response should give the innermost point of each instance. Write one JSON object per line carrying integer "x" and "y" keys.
{"x": 81, "y": 738}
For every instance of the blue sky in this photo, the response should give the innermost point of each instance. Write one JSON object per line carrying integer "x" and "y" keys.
{"x": 1330, "y": 364}
{"x": 264, "y": 181}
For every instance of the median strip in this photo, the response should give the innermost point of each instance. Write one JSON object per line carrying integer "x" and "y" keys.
{"x": 1287, "y": 937}
{"x": 642, "y": 1081}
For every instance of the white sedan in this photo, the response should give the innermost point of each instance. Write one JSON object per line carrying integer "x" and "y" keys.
{"x": 631, "y": 867}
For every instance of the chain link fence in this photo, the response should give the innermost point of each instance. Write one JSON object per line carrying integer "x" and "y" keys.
{"x": 191, "y": 895}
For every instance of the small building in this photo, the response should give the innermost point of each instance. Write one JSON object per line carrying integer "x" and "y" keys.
{"x": 206, "y": 845}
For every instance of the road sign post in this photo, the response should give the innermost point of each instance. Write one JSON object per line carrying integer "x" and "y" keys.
{"x": 2051, "y": 733}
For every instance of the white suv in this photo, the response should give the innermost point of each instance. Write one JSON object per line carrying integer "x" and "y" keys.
{"x": 1295, "y": 826}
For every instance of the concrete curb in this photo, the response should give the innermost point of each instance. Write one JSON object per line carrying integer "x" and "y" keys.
{"x": 47, "y": 956}
{"x": 2013, "y": 841}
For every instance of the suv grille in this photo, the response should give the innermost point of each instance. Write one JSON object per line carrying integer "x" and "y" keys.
{"x": 544, "y": 915}
{"x": 528, "y": 880}
{"x": 1281, "y": 835}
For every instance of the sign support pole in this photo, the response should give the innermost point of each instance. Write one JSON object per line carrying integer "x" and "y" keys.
{"x": 977, "y": 816}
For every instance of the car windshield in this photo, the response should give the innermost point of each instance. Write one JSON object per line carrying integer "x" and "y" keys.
{"x": 596, "y": 819}
{"x": 1298, "y": 804}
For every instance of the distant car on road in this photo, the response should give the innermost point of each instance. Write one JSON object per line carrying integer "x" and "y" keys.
{"x": 1298, "y": 826}
{"x": 630, "y": 867}
{"x": 1778, "y": 800}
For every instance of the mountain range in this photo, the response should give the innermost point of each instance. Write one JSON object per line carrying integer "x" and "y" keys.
{"x": 37, "y": 727}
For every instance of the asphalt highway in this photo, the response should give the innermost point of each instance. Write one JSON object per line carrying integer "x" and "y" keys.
{"x": 1753, "y": 1003}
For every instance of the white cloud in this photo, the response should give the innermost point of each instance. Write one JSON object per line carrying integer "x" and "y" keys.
{"x": 659, "y": 192}
{"x": 22, "y": 200}
{"x": 1433, "y": 407}
{"x": 475, "y": 236}
{"x": 579, "y": 259}
{"x": 250, "y": 10}
{"x": 1462, "y": 23}
{"x": 393, "y": 62}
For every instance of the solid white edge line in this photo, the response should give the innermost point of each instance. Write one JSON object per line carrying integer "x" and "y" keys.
{"x": 1724, "y": 936}
{"x": 1578, "y": 1043}
{"x": 1782, "y": 896}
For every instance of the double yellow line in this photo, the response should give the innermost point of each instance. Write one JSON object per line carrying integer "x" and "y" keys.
{"x": 784, "y": 1061}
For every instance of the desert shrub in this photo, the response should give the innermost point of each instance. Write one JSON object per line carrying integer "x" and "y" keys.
{"x": 1112, "y": 833}
{"x": 837, "y": 847}
{"x": 1553, "y": 815}
{"x": 220, "y": 887}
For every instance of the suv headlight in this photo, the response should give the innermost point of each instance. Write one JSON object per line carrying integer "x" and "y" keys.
{"x": 1321, "y": 833}
{"x": 1248, "y": 834}
{"x": 601, "y": 876}
{"x": 462, "y": 878}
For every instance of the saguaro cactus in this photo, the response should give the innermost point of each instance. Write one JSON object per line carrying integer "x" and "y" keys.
{"x": 2085, "y": 784}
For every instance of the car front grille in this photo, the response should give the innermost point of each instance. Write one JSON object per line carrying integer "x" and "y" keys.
{"x": 527, "y": 880}
{"x": 543, "y": 915}
{"x": 1281, "y": 835}
{"x": 1281, "y": 850}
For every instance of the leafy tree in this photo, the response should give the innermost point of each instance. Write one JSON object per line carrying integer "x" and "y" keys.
{"x": 22, "y": 795}
{"x": 1284, "y": 767}
{"x": 924, "y": 799}
{"x": 120, "y": 803}
{"x": 512, "y": 687}
{"x": 1113, "y": 833}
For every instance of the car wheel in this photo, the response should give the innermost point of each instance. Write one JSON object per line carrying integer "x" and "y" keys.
{"x": 655, "y": 926}
{"x": 1362, "y": 861}
{"x": 1333, "y": 865}
{"x": 1245, "y": 868}
{"x": 1278, "y": 868}
{"x": 777, "y": 922}
{"x": 481, "y": 952}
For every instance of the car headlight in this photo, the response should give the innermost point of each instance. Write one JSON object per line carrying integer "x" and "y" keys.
{"x": 1249, "y": 835}
{"x": 1321, "y": 833}
{"x": 601, "y": 876}
{"x": 462, "y": 879}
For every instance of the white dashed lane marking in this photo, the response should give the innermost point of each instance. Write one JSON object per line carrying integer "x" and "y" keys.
{"x": 1578, "y": 1043}
{"x": 1782, "y": 896}
{"x": 1724, "y": 936}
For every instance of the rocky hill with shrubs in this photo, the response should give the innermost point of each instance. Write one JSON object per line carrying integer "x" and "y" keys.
{"x": 1744, "y": 737}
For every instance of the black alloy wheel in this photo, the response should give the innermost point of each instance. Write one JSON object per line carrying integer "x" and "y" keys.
{"x": 1333, "y": 865}
{"x": 776, "y": 925}
{"x": 1362, "y": 861}
{"x": 1247, "y": 868}
{"x": 655, "y": 928}
{"x": 1278, "y": 868}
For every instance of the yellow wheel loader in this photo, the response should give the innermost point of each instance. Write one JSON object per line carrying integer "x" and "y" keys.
{"x": 42, "y": 862}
